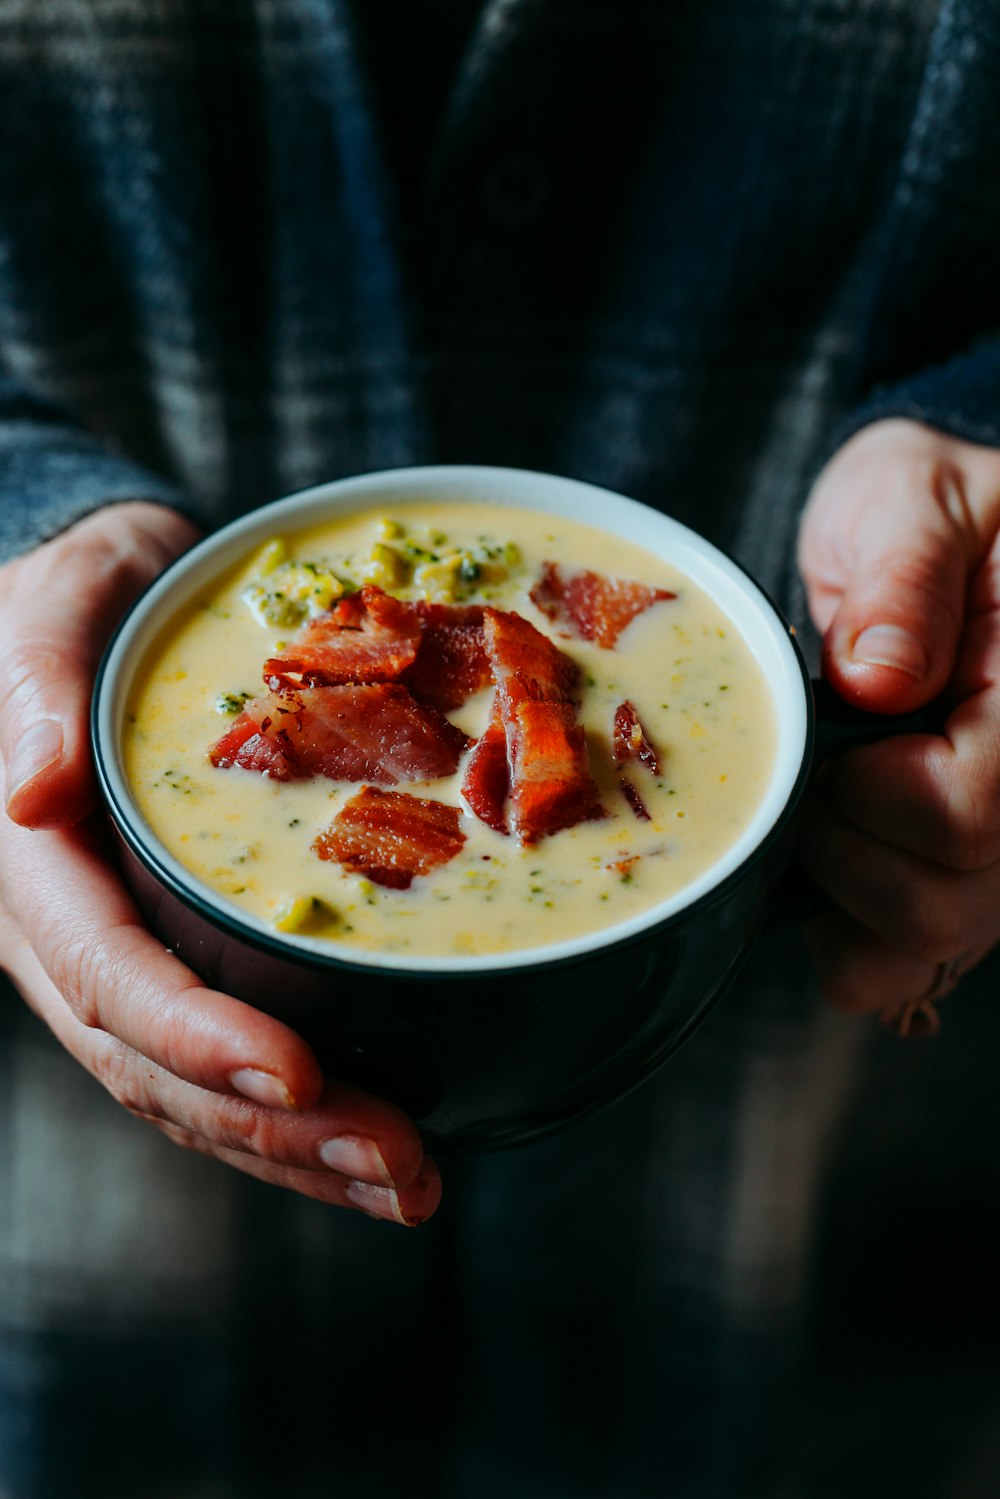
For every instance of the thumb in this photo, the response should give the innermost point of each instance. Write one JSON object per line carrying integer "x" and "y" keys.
{"x": 58, "y": 606}
{"x": 887, "y": 545}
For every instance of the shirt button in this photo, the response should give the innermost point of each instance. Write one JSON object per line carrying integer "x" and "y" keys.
{"x": 513, "y": 190}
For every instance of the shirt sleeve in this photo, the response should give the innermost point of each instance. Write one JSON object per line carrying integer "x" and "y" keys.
{"x": 960, "y": 396}
{"x": 53, "y": 473}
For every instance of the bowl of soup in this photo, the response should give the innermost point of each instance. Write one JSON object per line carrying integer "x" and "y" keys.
{"x": 480, "y": 779}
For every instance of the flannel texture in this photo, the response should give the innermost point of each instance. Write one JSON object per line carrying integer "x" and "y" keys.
{"x": 679, "y": 249}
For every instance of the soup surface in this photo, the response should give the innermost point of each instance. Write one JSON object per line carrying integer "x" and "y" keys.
{"x": 700, "y": 726}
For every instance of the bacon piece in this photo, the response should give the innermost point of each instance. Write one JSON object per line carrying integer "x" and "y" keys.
{"x": 521, "y": 655}
{"x": 391, "y": 837}
{"x": 591, "y": 605}
{"x": 451, "y": 662}
{"x": 437, "y": 650}
{"x": 634, "y": 800}
{"x": 551, "y": 785}
{"x": 369, "y": 732}
{"x": 249, "y": 745}
{"x": 367, "y": 637}
{"x": 486, "y": 784}
{"x": 630, "y": 741}
{"x": 548, "y": 784}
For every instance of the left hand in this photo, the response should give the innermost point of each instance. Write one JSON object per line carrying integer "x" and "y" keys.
{"x": 900, "y": 553}
{"x": 210, "y": 1072}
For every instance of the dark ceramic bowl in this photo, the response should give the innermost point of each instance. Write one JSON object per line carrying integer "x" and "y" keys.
{"x": 480, "y": 1051}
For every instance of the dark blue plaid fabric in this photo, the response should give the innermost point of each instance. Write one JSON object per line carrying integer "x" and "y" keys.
{"x": 678, "y": 247}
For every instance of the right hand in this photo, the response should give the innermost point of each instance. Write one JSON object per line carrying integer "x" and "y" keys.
{"x": 209, "y": 1071}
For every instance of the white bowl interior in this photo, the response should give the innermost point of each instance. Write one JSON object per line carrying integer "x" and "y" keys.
{"x": 738, "y": 597}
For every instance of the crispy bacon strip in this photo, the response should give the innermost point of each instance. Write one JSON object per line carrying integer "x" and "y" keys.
{"x": 436, "y": 650}
{"x": 521, "y": 656}
{"x": 542, "y": 775}
{"x": 590, "y": 605}
{"x": 367, "y": 637}
{"x": 391, "y": 837}
{"x": 630, "y": 740}
{"x": 551, "y": 786}
{"x": 451, "y": 662}
{"x": 252, "y": 743}
{"x": 370, "y": 732}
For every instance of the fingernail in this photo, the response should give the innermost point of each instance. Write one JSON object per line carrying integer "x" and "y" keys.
{"x": 37, "y": 749}
{"x": 353, "y": 1155}
{"x": 262, "y": 1087}
{"x": 891, "y": 645}
{"x": 378, "y": 1202}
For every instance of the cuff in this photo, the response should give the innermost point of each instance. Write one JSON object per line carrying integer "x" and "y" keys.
{"x": 52, "y": 475}
{"x": 960, "y": 396}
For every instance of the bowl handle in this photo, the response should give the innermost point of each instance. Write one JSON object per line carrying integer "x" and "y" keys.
{"x": 839, "y": 725}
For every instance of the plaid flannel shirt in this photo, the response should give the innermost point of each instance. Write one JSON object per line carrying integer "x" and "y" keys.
{"x": 677, "y": 248}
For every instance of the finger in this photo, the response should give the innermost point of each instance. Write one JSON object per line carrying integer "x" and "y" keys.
{"x": 935, "y": 798}
{"x": 409, "y": 1206}
{"x": 939, "y": 796}
{"x": 891, "y": 533}
{"x": 348, "y": 1133}
{"x": 116, "y": 977}
{"x": 58, "y": 608}
{"x": 860, "y": 974}
{"x": 908, "y": 903}
{"x": 891, "y": 640}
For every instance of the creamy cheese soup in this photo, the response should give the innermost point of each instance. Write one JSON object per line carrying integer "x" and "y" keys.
{"x": 700, "y": 698}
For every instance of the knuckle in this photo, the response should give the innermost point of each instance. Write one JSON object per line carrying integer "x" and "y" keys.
{"x": 114, "y": 559}
{"x": 249, "y": 1130}
{"x": 121, "y": 1072}
{"x": 29, "y": 661}
{"x": 73, "y": 967}
{"x": 972, "y": 822}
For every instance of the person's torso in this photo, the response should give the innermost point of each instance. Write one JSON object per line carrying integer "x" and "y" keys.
{"x": 661, "y": 246}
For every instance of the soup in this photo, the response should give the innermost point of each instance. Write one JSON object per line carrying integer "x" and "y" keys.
{"x": 661, "y": 714}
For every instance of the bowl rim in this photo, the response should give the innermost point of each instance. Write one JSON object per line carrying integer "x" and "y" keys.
{"x": 234, "y": 539}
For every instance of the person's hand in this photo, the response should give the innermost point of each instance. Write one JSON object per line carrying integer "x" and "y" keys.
{"x": 211, "y": 1072}
{"x": 900, "y": 554}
